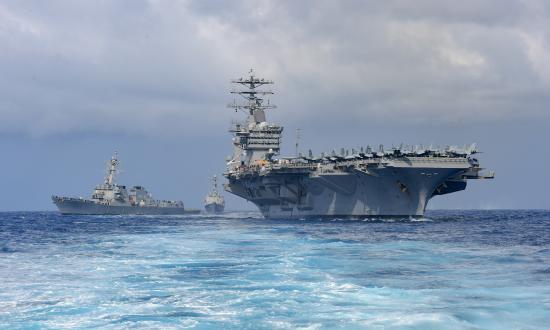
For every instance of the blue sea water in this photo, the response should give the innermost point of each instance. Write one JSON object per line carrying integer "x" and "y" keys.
{"x": 450, "y": 270}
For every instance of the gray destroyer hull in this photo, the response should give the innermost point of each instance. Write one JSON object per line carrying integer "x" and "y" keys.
{"x": 88, "y": 207}
{"x": 214, "y": 208}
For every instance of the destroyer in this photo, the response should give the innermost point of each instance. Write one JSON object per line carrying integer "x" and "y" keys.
{"x": 111, "y": 198}
{"x": 359, "y": 183}
{"x": 214, "y": 202}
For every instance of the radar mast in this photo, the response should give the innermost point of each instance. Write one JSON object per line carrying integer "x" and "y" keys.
{"x": 111, "y": 169}
{"x": 215, "y": 185}
{"x": 254, "y": 104}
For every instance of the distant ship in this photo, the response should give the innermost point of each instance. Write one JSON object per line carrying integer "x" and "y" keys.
{"x": 214, "y": 202}
{"x": 114, "y": 199}
{"x": 361, "y": 182}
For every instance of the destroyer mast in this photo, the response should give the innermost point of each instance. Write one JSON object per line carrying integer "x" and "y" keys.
{"x": 111, "y": 170}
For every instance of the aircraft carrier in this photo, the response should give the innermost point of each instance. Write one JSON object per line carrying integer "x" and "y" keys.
{"x": 361, "y": 182}
{"x": 113, "y": 199}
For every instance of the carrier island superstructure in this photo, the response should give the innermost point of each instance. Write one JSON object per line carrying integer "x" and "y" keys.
{"x": 363, "y": 182}
{"x": 115, "y": 199}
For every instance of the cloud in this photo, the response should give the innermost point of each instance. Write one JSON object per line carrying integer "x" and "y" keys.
{"x": 162, "y": 67}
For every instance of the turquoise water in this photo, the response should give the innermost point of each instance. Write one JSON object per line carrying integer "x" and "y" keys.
{"x": 450, "y": 270}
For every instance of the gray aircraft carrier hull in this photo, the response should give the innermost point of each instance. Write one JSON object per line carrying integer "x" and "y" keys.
{"x": 387, "y": 192}
{"x": 88, "y": 207}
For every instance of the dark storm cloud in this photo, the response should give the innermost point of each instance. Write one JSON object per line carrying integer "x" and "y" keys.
{"x": 148, "y": 67}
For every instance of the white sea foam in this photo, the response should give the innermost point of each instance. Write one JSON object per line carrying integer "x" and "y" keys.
{"x": 234, "y": 273}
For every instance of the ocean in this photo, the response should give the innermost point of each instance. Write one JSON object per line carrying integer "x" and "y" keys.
{"x": 449, "y": 270}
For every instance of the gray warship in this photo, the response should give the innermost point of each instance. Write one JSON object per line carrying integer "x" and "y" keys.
{"x": 363, "y": 182}
{"x": 214, "y": 201}
{"x": 113, "y": 199}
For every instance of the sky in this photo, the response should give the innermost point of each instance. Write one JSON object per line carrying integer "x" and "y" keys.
{"x": 151, "y": 80}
